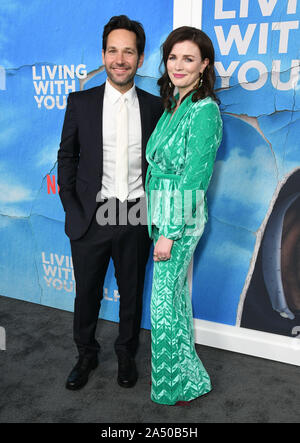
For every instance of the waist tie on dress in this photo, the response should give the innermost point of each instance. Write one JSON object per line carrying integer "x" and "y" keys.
{"x": 163, "y": 175}
{"x": 159, "y": 174}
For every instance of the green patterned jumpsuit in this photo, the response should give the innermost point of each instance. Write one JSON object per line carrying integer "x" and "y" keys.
{"x": 181, "y": 154}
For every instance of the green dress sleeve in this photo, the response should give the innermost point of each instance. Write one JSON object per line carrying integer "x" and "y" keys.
{"x": 202, "y": 141}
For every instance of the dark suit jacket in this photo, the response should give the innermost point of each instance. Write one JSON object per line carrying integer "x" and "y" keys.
{"x": 80, "y": 157}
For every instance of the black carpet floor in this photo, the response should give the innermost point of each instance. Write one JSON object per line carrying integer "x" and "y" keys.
{"x": 40, "y": 353}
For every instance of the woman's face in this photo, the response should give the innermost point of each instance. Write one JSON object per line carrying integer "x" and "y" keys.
{"x": 184, "y": 65}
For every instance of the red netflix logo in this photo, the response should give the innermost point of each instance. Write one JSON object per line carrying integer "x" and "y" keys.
{"x": 52, "y": 186}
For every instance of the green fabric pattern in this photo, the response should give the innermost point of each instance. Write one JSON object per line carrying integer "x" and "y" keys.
{"x": 181, "y": 154}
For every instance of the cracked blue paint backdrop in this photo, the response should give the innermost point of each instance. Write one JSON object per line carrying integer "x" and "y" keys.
{"x": 53, "y": 33}
{"x": 249, "y": 166}
{"x": 255, "y": 157}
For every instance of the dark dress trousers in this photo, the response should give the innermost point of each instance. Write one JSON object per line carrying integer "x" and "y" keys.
{"x": 80, "y": 168}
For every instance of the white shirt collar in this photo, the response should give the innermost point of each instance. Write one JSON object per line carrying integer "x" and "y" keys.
{"x": 114, "y": 95}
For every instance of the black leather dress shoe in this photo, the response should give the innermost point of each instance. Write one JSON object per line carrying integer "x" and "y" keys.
{"x": 80, "y": 373}
{"x": 127, "y": 372}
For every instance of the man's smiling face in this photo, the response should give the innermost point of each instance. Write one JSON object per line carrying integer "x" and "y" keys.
{"x": 121, "y": 59}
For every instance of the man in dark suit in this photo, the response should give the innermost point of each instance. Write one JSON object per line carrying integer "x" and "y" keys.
{"x": 102, "y": 158}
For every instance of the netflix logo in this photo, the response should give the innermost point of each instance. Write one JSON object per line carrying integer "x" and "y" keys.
{"x": 52, "y": 186}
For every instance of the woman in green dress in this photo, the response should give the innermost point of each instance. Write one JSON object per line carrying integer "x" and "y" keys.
{"x": 181, "y": 154}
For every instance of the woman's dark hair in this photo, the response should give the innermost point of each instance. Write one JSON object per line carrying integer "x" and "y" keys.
{"x": 205, "y": 45}
{"x": 123, "y": 22}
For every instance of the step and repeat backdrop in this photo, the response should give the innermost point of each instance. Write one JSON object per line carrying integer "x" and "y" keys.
{"x": 246, "y": 269}
{"x": 251, "y": 250}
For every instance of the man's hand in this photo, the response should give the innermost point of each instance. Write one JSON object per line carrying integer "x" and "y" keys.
{"x": 162, "y": 250}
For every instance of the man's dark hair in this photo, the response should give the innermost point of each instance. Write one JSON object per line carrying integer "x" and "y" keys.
{"x": 123, "y": 22}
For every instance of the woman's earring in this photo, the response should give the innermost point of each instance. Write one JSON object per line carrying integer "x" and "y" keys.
{"x": 170, "y": 84}
{"x": 200, "y": 81}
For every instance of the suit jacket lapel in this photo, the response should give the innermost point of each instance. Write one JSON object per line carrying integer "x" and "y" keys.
{"x": 97, "y": 113}
{"x": 96, "y": 120}
{"x": 146, "y": 127}
{"x": 179, "y": 114}
{"x": 144, "y": 111}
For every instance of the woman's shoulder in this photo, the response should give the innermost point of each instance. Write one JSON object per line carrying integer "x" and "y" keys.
{"x": 205, "y": 115}
{"x": 208, "y": 103}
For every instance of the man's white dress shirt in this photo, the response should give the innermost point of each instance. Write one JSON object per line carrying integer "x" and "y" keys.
{"x": 111, "y": 105}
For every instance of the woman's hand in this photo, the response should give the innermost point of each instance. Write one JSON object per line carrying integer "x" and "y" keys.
{"x": 162, "y": 250}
